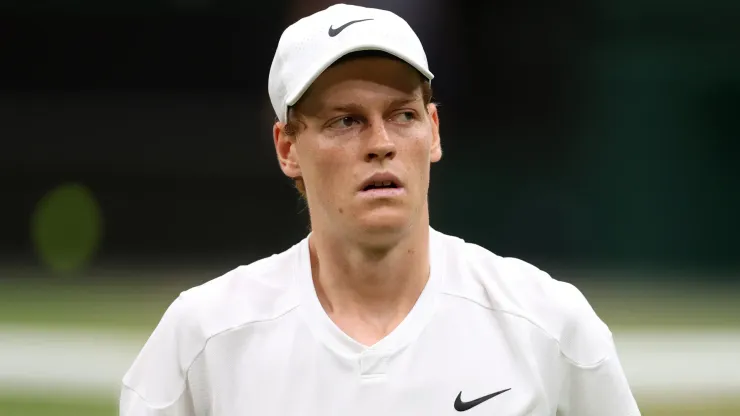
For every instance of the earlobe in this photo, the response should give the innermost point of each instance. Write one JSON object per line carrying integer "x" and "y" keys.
{"x": 286, "y": 151}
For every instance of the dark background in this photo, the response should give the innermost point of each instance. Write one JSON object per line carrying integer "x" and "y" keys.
{"x": 577, "y": 134}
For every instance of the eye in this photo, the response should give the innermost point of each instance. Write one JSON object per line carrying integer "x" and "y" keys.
{"x": 404, "y": 117}
{"x": 343, "y": 123}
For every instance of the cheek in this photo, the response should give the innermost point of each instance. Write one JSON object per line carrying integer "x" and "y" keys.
{"x": 418, "y": 153}
{"x": 318, "y": 166}
{"x": 332, "y": 172}
{"x": 418, "y": 159}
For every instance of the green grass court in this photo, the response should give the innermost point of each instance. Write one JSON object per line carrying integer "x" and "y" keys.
{"x": 139, "y": 306}
{"x": 49, "y": 407}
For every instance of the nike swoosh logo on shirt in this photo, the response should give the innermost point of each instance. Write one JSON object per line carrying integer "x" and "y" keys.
{"x": 462, "y": 406}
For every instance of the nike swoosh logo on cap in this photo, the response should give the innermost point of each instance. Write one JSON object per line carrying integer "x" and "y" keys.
{"x": 333, "y": 32}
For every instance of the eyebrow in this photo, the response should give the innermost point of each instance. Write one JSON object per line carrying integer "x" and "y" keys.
{"x": 352, "y": 107}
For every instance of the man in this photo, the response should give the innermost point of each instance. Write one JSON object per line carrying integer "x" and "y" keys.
{"x": 374, "y": 312}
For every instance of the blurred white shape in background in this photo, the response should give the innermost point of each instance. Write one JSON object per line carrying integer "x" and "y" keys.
{"x": 61, "y": 362}
{"x": 681, "y": 364}
{"x": 662, "y": 365}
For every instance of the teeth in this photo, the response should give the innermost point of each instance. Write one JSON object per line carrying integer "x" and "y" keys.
{"x": 380, "y": 184}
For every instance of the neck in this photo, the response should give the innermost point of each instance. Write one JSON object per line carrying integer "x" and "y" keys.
{"x": 371, "y": 283}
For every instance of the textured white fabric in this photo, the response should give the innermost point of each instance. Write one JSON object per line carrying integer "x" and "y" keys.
{"x": 256, "y": 341}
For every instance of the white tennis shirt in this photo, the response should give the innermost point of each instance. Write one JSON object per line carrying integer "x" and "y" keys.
{"x": 257, "y": 342}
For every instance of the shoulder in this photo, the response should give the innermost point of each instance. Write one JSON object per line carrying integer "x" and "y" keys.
{"x": 517, "y": 288}
{"x": 258, "y": 292}
{"x": 261, "y": 291}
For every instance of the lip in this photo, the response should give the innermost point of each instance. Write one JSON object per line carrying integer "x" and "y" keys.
{"x": 382, "y": 193}
{"x": 381, "y": 177}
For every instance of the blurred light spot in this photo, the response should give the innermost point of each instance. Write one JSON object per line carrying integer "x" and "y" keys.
{"x": 66, "y": 227}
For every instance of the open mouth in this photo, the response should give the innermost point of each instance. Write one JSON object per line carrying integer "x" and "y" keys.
{"x": 380, "y": 185}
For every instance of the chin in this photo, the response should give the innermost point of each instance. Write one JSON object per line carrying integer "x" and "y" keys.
{"x": 383, "y": 225}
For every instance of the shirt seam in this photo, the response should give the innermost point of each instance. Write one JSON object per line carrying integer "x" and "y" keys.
{"x": 536, "y": 325}
{"x": 200, "y": 352}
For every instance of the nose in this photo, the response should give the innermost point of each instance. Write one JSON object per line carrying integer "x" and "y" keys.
{"x": 380, "y": 145}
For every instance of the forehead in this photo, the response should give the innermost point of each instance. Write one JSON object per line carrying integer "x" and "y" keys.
{"x": 363, "y": 79}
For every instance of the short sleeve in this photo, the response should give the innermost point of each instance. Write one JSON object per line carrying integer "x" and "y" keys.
{"x": 595, "y": 380}
{"x": 156, "y": 383}
{"x": 598, "y": 390}
{"x": 132, "y": 404}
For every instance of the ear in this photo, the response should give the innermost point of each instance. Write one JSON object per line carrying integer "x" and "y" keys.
{"x": 435, "y": 152}
{"x": 285, "y": 147}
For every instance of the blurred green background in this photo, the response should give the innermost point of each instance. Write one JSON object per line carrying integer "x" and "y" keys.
{"x": 597, "y": 140}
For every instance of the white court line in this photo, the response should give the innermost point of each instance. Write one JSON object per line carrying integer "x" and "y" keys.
{"x": 64, "y": 362}
{"x": 660, "y": 365}
{"x": 675, "y": 365}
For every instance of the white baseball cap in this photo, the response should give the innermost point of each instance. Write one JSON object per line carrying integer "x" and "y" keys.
{"x": 312, "y": 44}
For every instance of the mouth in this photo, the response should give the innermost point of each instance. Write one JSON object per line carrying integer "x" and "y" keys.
{"x": 381, "y": 184}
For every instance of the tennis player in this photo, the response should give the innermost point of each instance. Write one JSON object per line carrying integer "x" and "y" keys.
{"x": 374, "y": 312}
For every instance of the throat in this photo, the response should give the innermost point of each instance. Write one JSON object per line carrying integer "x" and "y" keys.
{"x": 368, "y": 293}
{"x": 367, "y": 330}
{"x": 368, "y": 310}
